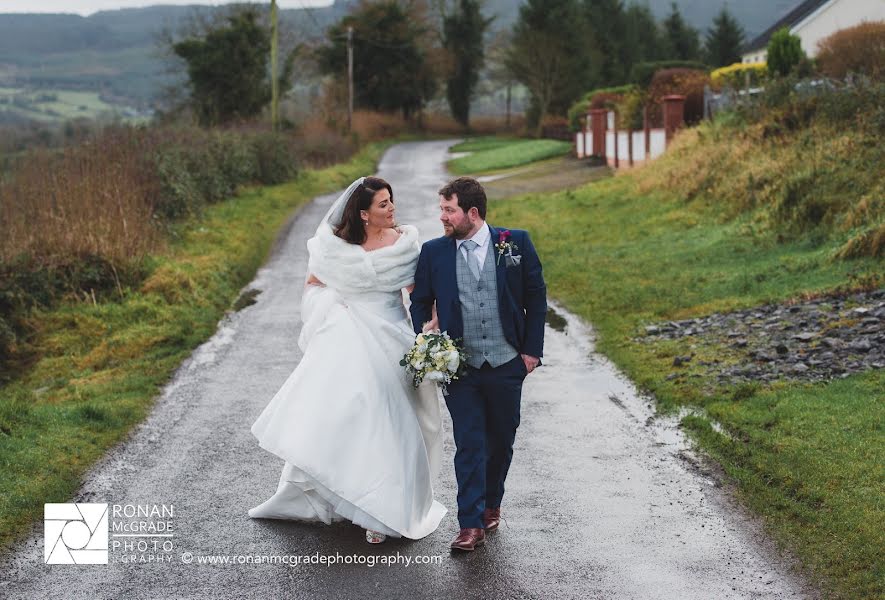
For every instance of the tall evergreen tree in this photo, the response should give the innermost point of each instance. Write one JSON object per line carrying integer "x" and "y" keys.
{"x": 682, "y": 40}
{"x": 463, "y": 32}
{"x": 607, "y": 22}
{"x": 549, "y": 56}
{"x": 392, "y": 69}
{"x": 642, "y": 38}
{"x": 724, "y": 40}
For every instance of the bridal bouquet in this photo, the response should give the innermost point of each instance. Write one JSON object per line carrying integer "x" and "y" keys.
{"x": 435, "y": 357}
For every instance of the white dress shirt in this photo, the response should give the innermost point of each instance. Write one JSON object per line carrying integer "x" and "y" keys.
{"x": 481, "y": 237}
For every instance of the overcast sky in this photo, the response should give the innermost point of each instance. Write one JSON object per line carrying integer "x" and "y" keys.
{"x": 87, "y": 7}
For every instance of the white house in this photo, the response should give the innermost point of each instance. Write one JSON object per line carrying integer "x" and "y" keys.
{"x": 813, "y": 20}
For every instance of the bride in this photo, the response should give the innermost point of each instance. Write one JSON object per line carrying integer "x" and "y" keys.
{"x": 360, "y": 443}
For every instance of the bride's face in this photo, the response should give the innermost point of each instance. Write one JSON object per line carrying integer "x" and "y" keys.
{"x": 380, "y": 213}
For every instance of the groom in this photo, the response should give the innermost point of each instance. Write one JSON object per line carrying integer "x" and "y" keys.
{"x": 489, "y": 291}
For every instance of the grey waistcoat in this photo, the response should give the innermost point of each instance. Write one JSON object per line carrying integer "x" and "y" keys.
{"x": 483, "y": 334}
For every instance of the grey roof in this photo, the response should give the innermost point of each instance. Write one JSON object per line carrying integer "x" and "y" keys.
{"x": 788, "y": 20}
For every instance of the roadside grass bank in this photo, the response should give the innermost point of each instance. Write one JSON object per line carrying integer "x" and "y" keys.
{"x": 101, "y": 364}
{"x": 706, "y": 229}
{"x": 496, "y": 153}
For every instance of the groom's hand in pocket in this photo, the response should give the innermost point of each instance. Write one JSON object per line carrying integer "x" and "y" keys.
{"x": 530, "y": 362}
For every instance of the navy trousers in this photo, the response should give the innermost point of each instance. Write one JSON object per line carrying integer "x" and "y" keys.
{"x": 484, "y": 404}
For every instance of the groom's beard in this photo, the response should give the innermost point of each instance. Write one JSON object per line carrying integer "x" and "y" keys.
{"x": 458, "y": 232}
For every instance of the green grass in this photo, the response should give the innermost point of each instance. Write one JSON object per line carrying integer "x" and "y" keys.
{"x": 71, "y": 104}
{"x": 68, "y": 105}
{"x": 102, "y": 365}
{"x": 808, "y": 457}
{"x": 483, "y": 143}
{"x": 493, "y": 154}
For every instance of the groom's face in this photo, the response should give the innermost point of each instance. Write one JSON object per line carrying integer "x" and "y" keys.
{"x": 456, "y": 223}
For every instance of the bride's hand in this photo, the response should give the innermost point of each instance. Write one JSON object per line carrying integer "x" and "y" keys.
{"x": 432, "y": 325}
{"x": 312, "y": 280}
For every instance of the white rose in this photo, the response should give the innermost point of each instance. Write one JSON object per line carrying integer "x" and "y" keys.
{"x": 454, "y": 361}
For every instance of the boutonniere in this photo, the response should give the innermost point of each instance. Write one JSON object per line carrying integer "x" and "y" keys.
{"x": 505, "y": 245}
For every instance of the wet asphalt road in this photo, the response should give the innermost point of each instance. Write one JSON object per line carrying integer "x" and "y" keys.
{"x": 603, "y": 499}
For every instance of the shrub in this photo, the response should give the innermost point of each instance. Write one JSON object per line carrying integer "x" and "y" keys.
{"x": 630, "y": 109}
{"x": 791, "y": 103}
{"x": 735, "y": 75}
{"x": 784, "y": 52}
{"x": 77, "y": 220}
{"x": 237, "y": 159}
{"x": 577, "y": 114}
{"x": 859, "y": 49}
{"x": 179, "y": 189}
{"x": 642, "y": 73}
{"x": 196, "y": 167}
{"x": 276, "y": 161}
{"x": 686, "y": 82}
{"x": 597, "y": 98}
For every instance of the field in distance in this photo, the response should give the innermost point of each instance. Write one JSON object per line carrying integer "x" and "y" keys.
{"x": 47, "y": 105}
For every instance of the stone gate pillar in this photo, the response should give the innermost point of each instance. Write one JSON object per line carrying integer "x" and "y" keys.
{"x": 674, "y": 114}
{"x": 599, "y": 123}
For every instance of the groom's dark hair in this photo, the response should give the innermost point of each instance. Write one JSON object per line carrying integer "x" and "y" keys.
{"x": 469, "y": 192}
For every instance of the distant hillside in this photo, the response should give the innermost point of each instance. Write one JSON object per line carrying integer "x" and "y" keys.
{"x": 115, "y": 53}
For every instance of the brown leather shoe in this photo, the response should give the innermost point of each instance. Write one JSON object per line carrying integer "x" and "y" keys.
{"x": 468, "y": 539}
{"x": 491, "y": 517}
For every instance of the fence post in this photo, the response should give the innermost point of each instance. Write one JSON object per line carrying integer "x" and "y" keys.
{"x": 646, "y": 127}
{"x": 615, "y": 123}
{"x": 630, "y": 145}
{"x": 598, "y": 118}
{"x": 674, "y": 114}
{"x": 708, "y": 100}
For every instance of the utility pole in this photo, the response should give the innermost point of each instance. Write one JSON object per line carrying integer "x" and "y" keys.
{"x": 350, "y": 79}
{"x": 274, "y": 77}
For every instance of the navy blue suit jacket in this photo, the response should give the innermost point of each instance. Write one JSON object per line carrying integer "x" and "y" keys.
{"x": 522, "y": 294}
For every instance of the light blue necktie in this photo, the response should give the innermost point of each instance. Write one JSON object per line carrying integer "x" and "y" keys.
{"x": 469, "y": 246}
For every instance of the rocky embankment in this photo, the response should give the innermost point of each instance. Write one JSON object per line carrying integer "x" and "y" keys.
{"x": 814, "y": 340}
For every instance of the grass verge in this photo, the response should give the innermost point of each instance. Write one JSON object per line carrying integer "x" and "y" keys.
{"x": 809, "y": 458}
{"x": 493, "y": 153}
{"x": 103, "y": 364}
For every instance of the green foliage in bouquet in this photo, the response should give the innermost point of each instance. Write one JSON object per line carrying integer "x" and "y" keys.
{"x": 435, "y": 357}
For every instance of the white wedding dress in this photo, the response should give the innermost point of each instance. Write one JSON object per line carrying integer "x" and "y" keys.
{"x": 360, "y": 443}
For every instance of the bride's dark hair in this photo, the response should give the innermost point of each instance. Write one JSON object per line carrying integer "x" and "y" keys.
{"x": 351, "y": 228}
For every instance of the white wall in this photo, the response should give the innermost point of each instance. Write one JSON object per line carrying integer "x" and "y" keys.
{"x": 828, "y": 19}
{"x": 833, "y": 16}
{"x": 657, "y": 141}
